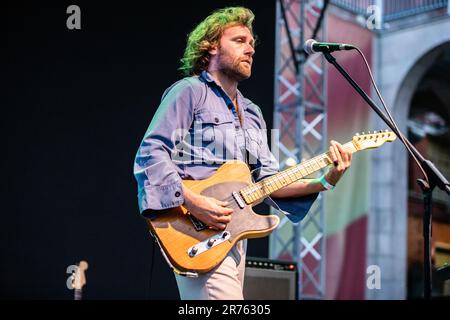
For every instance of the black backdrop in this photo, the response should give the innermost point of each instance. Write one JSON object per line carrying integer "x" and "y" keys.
{"x": 77, "y": 105}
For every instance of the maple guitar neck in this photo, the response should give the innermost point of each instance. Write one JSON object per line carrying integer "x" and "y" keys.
{"x": 265, "y": 187}
{"x": 79, "y": 279}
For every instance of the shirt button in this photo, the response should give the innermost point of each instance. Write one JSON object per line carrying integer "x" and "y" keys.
{"x": 177, "y": 194}
{"x": 216, "y": 120}
{"x": 180, "y": 154}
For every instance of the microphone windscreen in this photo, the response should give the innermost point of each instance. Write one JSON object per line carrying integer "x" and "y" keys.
{"x": 308, "y": 46}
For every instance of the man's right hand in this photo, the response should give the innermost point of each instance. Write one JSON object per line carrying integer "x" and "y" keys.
{"x": 209, "y": 210}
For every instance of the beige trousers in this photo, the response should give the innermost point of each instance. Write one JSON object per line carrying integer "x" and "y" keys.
{"x": 225, "y": 282}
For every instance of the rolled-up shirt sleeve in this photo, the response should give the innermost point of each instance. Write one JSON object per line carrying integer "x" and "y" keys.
{"x": 159, "y": 182}
{"x": 295, "y": 209}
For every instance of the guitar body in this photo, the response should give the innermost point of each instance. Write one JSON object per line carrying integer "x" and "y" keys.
{"x": 192, "y": 247}
{"x": 177, "y": 234}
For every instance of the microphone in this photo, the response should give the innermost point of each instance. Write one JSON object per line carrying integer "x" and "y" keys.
{"x": 311, "y": 46}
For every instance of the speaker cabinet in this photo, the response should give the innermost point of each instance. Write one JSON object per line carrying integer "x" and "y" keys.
{"x": 267, "y": 279}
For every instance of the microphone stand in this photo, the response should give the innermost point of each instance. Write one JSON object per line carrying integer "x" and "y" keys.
{"x": 435, "y": 177}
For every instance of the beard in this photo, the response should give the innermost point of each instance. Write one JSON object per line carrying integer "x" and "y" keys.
{"x": 236, "y": 69}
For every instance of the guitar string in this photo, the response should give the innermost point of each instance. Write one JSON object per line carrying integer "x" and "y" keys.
{"x": 306, "y": 163}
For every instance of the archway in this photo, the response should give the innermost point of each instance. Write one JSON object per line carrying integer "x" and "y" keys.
{"x": 400, "y": 72}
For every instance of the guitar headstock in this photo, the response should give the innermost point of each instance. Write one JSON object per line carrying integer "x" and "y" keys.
{"x": 373, "y": 140}
{"x": 79, "y": 279}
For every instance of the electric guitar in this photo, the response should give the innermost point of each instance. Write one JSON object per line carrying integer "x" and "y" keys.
{"x": 79, "y": 280}
{"x": 191, "y": 247}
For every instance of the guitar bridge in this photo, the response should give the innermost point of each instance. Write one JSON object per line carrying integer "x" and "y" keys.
{"x": 198, "y": 225}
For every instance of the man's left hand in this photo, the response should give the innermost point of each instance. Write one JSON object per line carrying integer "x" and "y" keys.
{"x": 342, "y": 159}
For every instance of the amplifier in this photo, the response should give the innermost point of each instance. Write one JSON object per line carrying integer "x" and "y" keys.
{"x": 267, "y": 279}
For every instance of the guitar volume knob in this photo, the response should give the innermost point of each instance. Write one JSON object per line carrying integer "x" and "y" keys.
{"x": 193, "y": 251}
{"x": 211, "y": 242}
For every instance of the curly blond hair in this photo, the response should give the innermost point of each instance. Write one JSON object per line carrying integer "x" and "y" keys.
{"x": 207, "y": 34}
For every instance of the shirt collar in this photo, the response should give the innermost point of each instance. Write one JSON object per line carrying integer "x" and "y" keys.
{"x": 205, "y": 75}
{"x": 208, "y": 77}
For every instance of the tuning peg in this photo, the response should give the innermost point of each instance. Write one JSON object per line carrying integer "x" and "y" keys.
{"x": 357, "y": 134}
{"x": 363, "y": 133}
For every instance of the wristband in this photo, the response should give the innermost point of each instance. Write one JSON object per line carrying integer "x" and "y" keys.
{"x": 325, "y": 183}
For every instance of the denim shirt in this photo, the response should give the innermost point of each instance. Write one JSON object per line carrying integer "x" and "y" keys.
{"x": 195, "y": 130}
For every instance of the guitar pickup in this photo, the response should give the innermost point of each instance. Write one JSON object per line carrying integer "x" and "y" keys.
{"x": 238, "y": 199}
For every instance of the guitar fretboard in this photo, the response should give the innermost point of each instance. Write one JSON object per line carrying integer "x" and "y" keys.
{"x": 265, "y": 187}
